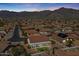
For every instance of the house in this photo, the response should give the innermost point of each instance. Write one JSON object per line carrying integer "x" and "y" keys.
{"x": 37, "y": 40}
{"x": 3, "y": 45}
{"x": 29, "y": 32}
{"x": 2, "y": 34}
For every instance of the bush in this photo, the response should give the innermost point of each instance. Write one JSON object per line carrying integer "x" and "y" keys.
{"x": 42, "y": 49}
{"x": 19, "y": 50}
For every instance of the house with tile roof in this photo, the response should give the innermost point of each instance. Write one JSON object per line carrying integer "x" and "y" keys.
{"x": 37, "y": 40}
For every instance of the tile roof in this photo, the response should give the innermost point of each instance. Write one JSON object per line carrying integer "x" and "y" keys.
{"x": 38, "y": 38}
{"x": 3, "y": 45}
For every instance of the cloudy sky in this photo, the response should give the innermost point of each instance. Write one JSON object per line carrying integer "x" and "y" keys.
{"x": 36, "y": 6}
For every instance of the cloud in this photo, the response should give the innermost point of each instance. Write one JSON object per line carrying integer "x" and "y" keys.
{"x": 33, "y": 9}
{"x": 31, "y": 5}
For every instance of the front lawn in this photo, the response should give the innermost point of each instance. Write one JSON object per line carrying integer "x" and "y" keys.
{"x": 42, "y": 49}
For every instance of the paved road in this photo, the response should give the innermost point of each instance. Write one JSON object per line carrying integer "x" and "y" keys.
{"x": 70, "y": 48}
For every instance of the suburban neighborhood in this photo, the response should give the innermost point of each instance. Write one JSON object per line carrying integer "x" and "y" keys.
{"x": 43, "y": 33}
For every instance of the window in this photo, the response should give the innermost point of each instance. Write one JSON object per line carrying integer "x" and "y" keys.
{"x": 37, "y": 45}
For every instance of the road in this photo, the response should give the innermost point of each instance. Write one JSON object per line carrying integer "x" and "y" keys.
{"x": 70, "y": 48}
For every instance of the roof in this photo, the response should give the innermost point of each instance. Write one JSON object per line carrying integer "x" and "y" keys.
{"x": 3, "y": 45}
{"x": 2, "y": 32}
{"x": 38, "y": 38}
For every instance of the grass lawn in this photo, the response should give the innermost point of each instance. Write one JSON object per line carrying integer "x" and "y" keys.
{"x": 42, "y": 49}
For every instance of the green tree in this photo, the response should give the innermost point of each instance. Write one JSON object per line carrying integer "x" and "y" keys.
{"x": 19, "y": 50}
{"x": 25, "y": 34}
{"x": 1, "y": 22}
{"x": 69, "y": 43}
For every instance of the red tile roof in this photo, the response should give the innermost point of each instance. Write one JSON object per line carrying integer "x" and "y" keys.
{"x": 38, "y": 38}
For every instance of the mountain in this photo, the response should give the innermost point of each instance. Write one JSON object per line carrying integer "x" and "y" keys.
{"x": 59, "y": 14}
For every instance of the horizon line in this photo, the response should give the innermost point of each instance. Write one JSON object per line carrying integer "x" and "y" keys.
{"x": 36, "y": 10}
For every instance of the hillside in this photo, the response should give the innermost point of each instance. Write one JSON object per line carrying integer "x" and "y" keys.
{"x": 61, "y": 13}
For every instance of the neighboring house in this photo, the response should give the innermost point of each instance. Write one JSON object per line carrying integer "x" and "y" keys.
{"x": 2, "y": 34}
{"x": 46, "y": 33}
{"x": 3, "y": 46}
{"x": 37, "y": 40}
{"x": 29, "y": 32}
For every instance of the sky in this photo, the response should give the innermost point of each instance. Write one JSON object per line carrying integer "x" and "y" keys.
{"x": 36, "y": 6}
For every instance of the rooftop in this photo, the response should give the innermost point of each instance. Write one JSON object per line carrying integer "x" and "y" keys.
{"x": 38, "y": 38}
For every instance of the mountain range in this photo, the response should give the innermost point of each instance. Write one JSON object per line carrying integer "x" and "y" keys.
{"x": 58, "y": 14}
